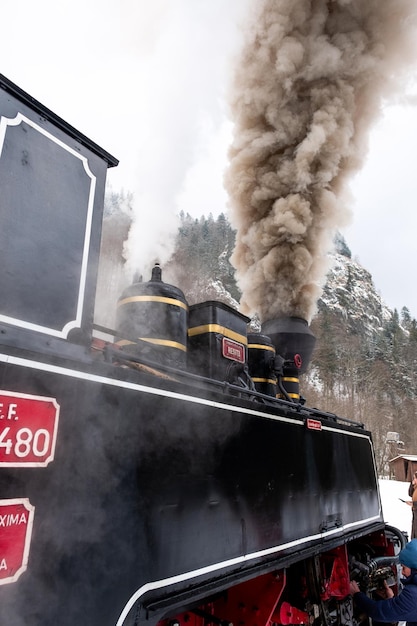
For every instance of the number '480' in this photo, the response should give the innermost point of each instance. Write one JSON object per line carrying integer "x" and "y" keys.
{"x": 26, "y": 442}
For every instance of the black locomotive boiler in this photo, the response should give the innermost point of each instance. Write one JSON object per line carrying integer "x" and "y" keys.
{"x": 165, "y": 471}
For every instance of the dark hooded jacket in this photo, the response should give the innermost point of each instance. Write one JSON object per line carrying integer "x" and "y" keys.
{"x": 401, "y": 608}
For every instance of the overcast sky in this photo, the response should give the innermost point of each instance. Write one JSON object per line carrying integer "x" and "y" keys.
{"x": 147, "y": 82}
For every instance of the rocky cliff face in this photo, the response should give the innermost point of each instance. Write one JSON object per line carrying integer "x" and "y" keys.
{"x": 350, "y": 291}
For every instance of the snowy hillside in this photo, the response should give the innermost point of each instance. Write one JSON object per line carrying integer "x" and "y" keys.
{"x": 350, "y": 291}
{"x": 396, "y": 513}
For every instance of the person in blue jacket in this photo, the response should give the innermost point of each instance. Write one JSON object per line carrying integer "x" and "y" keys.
{"x": 401, "y": 608}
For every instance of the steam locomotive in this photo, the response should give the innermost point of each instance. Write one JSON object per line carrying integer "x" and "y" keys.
{"x": 165, "y": 472}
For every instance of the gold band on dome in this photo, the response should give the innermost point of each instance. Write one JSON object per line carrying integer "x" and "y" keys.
{"x": 165, "y": 342}
{"x": 264, "y": 380}
{"x": 295, "y": 396}
{"x": 163, "y": 299}
{"x": 260, "y": 346}
{"x": 216, "y": 328}
{"x": 159, "y": 342}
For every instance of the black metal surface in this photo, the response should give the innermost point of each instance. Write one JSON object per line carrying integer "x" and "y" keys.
{"x": 145, "y": 487}
{"x": 156, "y": 314}
{"x": 291, "y": 336}
{"x": 209, "y": 324}
{"x": 160, "y": 485}
{"x": 261, "y": 355}
{"x": 52, "y": 190}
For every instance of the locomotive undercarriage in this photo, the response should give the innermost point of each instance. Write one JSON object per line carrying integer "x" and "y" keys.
{"x": 311, "y": 591}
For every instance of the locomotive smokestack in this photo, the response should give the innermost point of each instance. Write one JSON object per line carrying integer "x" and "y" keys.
{"x": 292, "y": 339}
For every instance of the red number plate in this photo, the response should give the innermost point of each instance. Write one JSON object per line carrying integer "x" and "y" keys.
{"x": 16, "y": 521}
{"x": 313, "y": 424}
{"x": 233, "y": 350}
{"x": 28, "y": 429}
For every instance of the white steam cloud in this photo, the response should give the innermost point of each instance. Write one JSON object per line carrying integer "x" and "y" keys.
{"x": 309, "y": 84}
{"x": 183, "y": 50}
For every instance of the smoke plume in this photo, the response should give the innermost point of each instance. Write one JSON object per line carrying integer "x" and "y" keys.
{"x": 310, "y": 82}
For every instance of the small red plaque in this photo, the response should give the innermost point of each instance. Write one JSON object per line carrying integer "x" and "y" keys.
{"x": 16, "y": 521}
{"x": 313, "y": 424}
{"x": 233, "y": 350}
{"x": 28, "y": 429}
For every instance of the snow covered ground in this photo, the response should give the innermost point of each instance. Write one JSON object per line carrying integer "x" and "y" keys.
{"x": 396, "y": 513}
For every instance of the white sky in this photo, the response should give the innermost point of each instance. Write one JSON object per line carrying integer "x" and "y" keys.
{"x": 383, "y": 232}
{"x": 147, "y": 80}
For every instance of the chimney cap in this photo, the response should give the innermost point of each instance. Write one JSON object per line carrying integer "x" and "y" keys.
{"x": 156, "y": 273}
